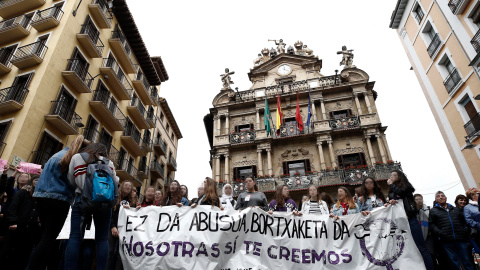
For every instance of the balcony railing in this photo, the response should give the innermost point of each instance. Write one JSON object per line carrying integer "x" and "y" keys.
{"x": 131, "y": 131}
{"x": 101, "y": 12}
{"x": 81, "y": 79}
{"x": 147, "y": 144}
{"x": 29, "y": 55}
{"x": 122, "y": 78}
{"x": 21, "y": 20}
{"x": 14, "y": 93}
{"x": 454, "y": 4}
{"x": 113, "y": 155}
{"x": 127, "y": 50}
{"x": 9, "y": 8}
{"x": 5, "y": 57}
{"x": 154, "y": 94}
{"x": 14, "y": 28}
{"x": 291, "y": 129}
{"x": 162, "y": 146}
{"x": 66, "y": 112}
{"x": 95, "y": 136}
{"x": 452, "y": 80}
{"x": 418, "y": 17}
{"x": 141, "y": 77}
{"x": 173, "y": 162}
{"x": 107, "y": 100}
{"x": 344, "y": 123}
{"x": 94, "y": 36}
{"x": 141, "y": 109}
{"x": 47, "y": 18}
{"x": 476, "y": 41}
{"x": 243, "y": 137}
{"x": 434, "y": 45}
{"x": 473, "y": 126}
{"x": 155, "y": 166}
{"x": 128, "y": 167}
{"x": 143, "y": 170}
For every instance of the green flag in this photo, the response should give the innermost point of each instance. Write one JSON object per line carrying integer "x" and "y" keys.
{"x": 266, "y": 117}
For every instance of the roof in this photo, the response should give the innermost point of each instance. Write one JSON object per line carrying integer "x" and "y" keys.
{"x": 161, "y": 71}
{"x": 169, "y": 115}
{"x": 127, "y": 23}
{"x": 397, "y": 13}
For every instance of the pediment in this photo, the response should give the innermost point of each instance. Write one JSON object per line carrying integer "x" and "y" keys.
{"x": 354, "y": 74}
{"x": 223, "y": 97}
{"x": 285, "y": 59}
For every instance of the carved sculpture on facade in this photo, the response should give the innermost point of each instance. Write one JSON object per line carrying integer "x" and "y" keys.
{"x": 273, "y": 53}
{"x": 258, "y": 61}
{"x": 290, "y": 50}
{"x": 280, "y": 45}
{"x": 299, "y": 47}
{"x": 308, "y": 51}
{"x": 347, "y": 57}
{"x": 226, "y": 80}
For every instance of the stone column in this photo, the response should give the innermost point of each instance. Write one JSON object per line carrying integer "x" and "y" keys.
{"x": 227, "y": 168}
{"x": 367, "y": 101}
{"x": 357, "y": 102}
{"x": 217, "y": 168}
{"x": 227, "y": 124}
{"x": 332, "y": 156}
{"x": 269, "y": 160}
{"x": 370, "y": 150}
{"x": 219, "y": 126}
{"x": 215, "y": 126}
{"x": 258, "y": 119}
{"x": 314, "y": 111}
{"x": 385, "y": 143}
{"x": 260, "y": 162}
{"x": 322, "y": 107}
{"x": 322, "y": 157}
{"x": 382, "y": 150}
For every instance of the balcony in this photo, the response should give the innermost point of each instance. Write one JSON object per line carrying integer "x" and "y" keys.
{"x": 5, "y": 57}
{"x": 101, "y": 13}
{"x": 345, "y": 123}
{"x": 12, "y": 99}
{"x": 113, "y": 155}
{"x": 64, "y": 118}
{"x": 95, "y": 136}
{"x": 131, "y": 139}
{"x": 142, "y": 87}
{"x": 457, "y": 6}
{"x": 14, "y": 29}
{"x": 172, "y": 164}
{"x": 169, "y": 181}
{"x": 147, "y": 145}
{"x": 137, "y": 112}
{"x": 29, "y": 55}
{"x": 156, "y": 170}
{"x": 47, "y": 18}
{"x": 90, "y": 41}
{"x": 243, "y": 137}
{"x": 117, "y": 80}
{"x": 77, "y": 76}
{"x": 434, "y": 45}
{"x": 107, "y": 110}
{"x": 121, "y": 49}
{"x": 9, "y": 8}
{"x": 143, "y": 171}
{"x": 151, "y": 118}
{"x": 127, "y": 171}
{"x": 453, "y": 79}
{"x": 154, "y": 95}
{"x": 291, "y": 130}
{"x": 160, "y": 146}
{"x": 473, "y": 126}
{"x": 476, "y": 41}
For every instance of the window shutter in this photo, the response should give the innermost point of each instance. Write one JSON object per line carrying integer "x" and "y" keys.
{"x": 254, "y": 171}
{"x": 308, "y": 168}
{"x": 285, "y": 167}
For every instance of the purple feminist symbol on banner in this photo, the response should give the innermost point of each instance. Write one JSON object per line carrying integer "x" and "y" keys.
{"x": 384, "y": 244}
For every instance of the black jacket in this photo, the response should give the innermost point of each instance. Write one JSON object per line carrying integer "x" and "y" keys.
{"x": 116, "y": 211}
{"x": 448, "y": 224}
{"x": 22, "y": 211}
{"x": 406, "y": 194}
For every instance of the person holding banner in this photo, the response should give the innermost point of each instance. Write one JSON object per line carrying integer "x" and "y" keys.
{"x": 314, "y": 205}
{"x": 174, "y": 196}
{"x": 251, "y": 198}
{"x": 326, "y": 198}
{"x": 345, "y": 204}
{"x": 282, "y": 202}
{"x": 400, "y": 188}
{"x": 211, "y": 196}
{"x": 184, "y": 191}
{"x": 370, "y": 195}
{"x": 158, "y": 196}
{"x": 200, "y": 195}
{"x": 227, "y": 200}
{"x": 149, "y": 198}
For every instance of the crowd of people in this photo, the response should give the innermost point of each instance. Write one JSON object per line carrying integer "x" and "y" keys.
{"x": 33, "y": 210}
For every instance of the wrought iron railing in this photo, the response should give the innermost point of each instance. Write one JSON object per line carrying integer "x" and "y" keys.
{"x": 114, "y": 155}
{"x": 37, "y": 48}
{"x": 454, "y": 5}
{"x": 154, "y": 165}
{"x": 151, "y": 115}
{"x": 112, "y": 63}
{"x": 107, "y": 100}
{"x": 141, "y": 77}
{"x": 419, "y": 16}
{"x": 476, "y": 42}
{"x": 172, "y": 161}
{"x": 434, "y": 45}
{"x": 106, "y": 11}
{"x": 473, "y": 126}
{"x": 163, "y": 145}
{"x": 80, "y": 68}
{"x": 53, "y": 12}
{"x": 118, "y": 34}
{"x": 66, "y": 112}
{"x": 22, "y": 20}
{"x": 5, "y": 56}
{"x": 142, "y": 166}
{"x": 127, "y": 166}
{"x": 94, "y": 36}
{"x": 14, "y": 93}
{"x": 133, "y": 132}
{"x": 95, "y": 136}
{"x": 243, "y": 137}
{"x": 452, "y": 80}
{"x": 147, "y": 143}
{"x": 291, "y": 129}
{"x": 344, "y": 123}
{"x": 154, "y": 93}
{"x": 138, "y": 104}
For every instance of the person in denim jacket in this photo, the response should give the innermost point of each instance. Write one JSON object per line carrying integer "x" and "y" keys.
{"x": 370, "y": 195}
{"x": 54, "y": 194}
{"x": 345, "y": 204}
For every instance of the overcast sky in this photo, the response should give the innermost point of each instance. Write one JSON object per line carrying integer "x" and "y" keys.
{"x": 197, "y": 40}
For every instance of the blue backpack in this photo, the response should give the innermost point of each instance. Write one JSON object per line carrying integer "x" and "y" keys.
{"x": 99, "y": 189}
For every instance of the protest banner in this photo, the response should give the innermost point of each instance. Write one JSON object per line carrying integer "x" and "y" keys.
{"x": 32, "y": 168}
{"x": 202, "y": 238}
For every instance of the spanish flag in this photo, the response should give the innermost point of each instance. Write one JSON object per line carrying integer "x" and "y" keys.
{"x": 279, "y": 114}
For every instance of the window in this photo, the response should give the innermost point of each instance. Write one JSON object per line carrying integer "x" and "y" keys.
{"x": 448, "y": 65}
{"x": 240, "y": 173}
{"x": 91, "y": 132}
{"x": 40, "y": 47}
{"x": 245, "y": 127}
{"x": 296, "y": 167}
{"x": 78, "y": 64}
{"x": 473, "y": 118}
{"x": 351, "y": 160}
{"x": 106, "y": 139}
{"x": 4, "y": 127}
{"x": 65, "y": 105}
{"x": 121, "y": 158}
{"x": 341, "y": 114}
{"x": 450, "y": 73}
{"x": 47, "y": 148}
{"x": 418, "y": 13}
{"x": 18, "y": 91}
{"x": 6, "y": 54}
{"x": 475, "y": 16}
{"x": 167, "y": 127}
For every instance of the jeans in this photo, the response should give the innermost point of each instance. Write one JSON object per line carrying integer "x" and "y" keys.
{"x": 101, "y": 217}
{"x": 52, "y": 214}
{"x": 417, "y": 235}
{"x": 458, "y": 253}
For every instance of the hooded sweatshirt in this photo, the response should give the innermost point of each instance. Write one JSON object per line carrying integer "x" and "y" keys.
{"x": 227, "y": 201}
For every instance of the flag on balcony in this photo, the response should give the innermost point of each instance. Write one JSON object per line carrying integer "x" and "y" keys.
{"x": 298, "y": 117}
{"x": 266, "y": 117}
{"x": 279, "y": 114}
{"x": 309, "y": 109}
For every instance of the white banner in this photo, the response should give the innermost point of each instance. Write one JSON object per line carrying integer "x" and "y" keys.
{"x": 202, "y": 238}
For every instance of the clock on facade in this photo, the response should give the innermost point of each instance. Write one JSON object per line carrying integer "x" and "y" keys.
{"x": 284, "y": 69}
